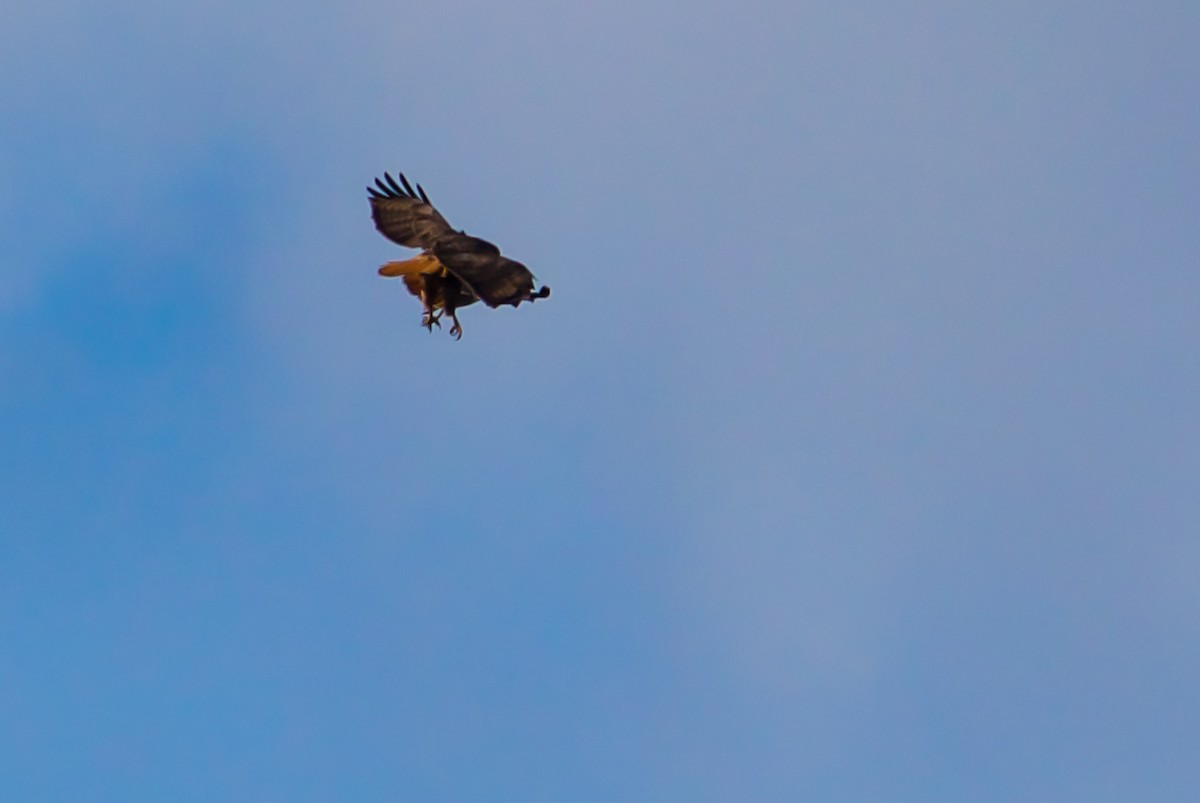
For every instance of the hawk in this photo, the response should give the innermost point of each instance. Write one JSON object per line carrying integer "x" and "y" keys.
{"x": 453, "y": 269}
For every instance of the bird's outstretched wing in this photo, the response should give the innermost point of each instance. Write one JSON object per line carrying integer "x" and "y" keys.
{"x": 404, "y": 216}
{"x": 495, "y": 279}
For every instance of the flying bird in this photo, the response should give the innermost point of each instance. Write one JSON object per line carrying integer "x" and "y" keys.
{"x": 453, "y": 269}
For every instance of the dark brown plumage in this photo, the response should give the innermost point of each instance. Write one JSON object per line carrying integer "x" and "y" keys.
{"x": 454, "y": 269}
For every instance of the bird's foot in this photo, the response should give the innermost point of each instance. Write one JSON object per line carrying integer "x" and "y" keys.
{"x": 456, "y": 329}
{"x": 429, "y": 320}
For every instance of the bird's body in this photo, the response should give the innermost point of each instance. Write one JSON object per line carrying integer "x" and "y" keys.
{"x": 454, "y": 269}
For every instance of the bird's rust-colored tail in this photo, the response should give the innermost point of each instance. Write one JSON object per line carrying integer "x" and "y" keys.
{"x": 425, "y": 263}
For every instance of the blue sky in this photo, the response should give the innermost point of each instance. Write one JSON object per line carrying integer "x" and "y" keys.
{"x": 855, "y": 456}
